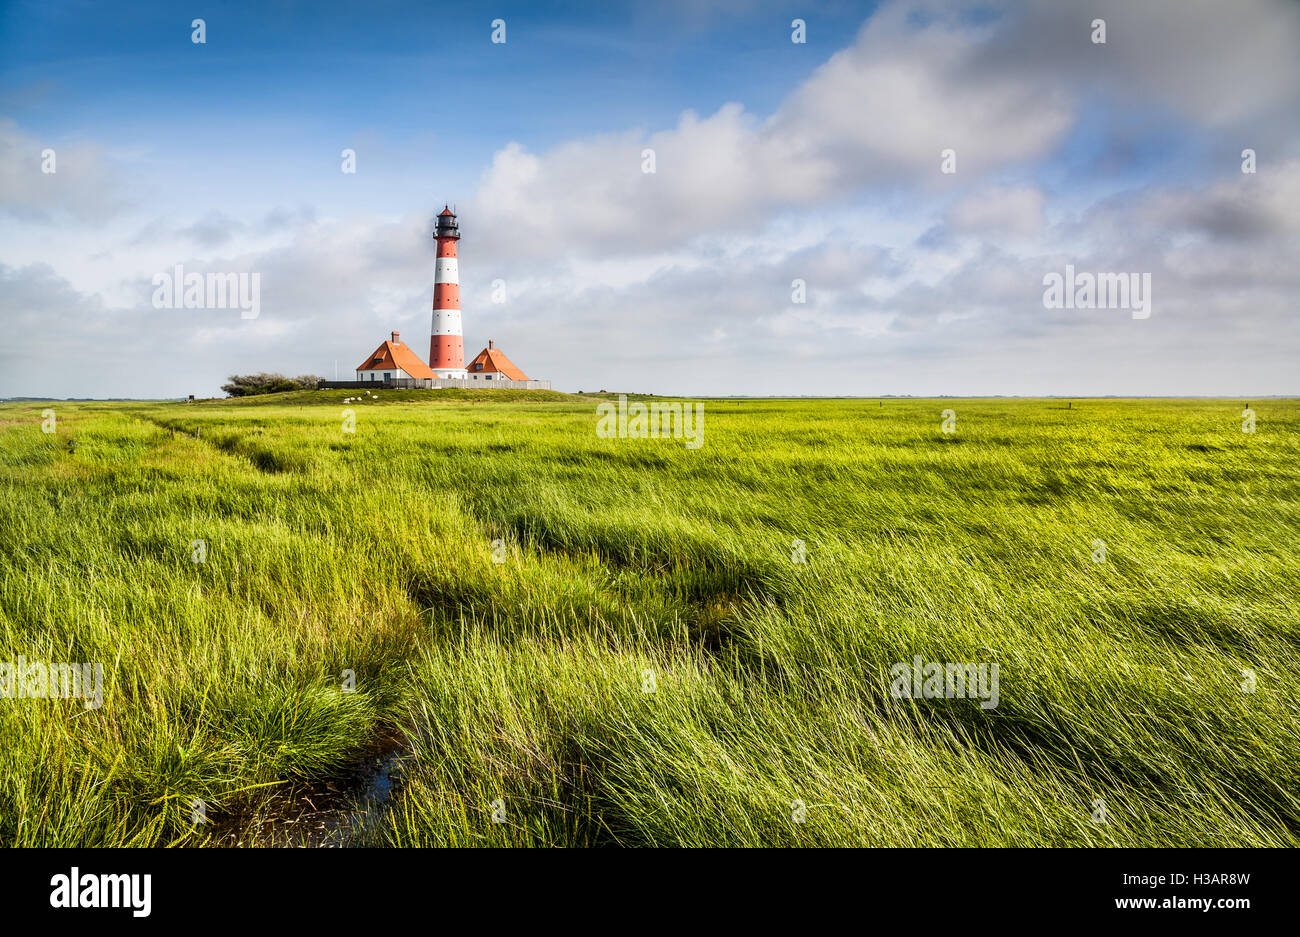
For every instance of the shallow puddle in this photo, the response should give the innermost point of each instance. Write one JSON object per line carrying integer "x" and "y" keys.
{"x": 342, "y": 811}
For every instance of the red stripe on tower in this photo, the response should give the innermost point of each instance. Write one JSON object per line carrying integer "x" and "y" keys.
{"x": 446, "y": 344}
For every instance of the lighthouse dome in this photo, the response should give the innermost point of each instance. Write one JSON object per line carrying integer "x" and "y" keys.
{"x": 447, "y": 226}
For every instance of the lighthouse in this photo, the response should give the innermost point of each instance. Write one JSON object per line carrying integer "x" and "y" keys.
{"x": 446, "y": 344}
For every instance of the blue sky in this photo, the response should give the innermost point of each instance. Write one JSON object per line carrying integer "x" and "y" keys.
{"x": 293, "y": 80}
{"x": 776, "y": 161}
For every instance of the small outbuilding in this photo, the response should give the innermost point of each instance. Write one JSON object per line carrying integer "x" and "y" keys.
{"x": 491, "y": 364}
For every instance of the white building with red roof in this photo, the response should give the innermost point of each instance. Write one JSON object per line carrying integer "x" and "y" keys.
{"x": 491, "y": 364}
{"x": 393, "y": 361}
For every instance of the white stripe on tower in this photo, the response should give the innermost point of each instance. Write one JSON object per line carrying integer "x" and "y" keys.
{"x": 446, "y": 270}
{"x": 446, "y": 346}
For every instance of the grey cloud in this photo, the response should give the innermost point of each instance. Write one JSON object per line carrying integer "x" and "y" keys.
{"x": 283, "y": 219}
{"x": 212, "y": 230}
{"x": 1213, "y": 63}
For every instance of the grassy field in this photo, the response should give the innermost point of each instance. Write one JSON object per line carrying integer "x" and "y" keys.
{"x": 573, "y": 640}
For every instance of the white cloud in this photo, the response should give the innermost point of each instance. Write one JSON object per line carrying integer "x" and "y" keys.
{"x": 998, "y": 209}
{"x": 84, "y": 185}
{"x": 879, "y": 111}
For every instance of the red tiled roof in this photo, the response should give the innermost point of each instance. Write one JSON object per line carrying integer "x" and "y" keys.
{"x": 494, "y": 359}
{"x": 393, "y": 355}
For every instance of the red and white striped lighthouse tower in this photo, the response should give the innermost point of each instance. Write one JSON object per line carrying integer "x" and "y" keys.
{"x": 446, "y": 345}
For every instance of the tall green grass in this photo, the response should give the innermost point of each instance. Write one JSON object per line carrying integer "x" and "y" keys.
{"x": 520, "y": 687}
